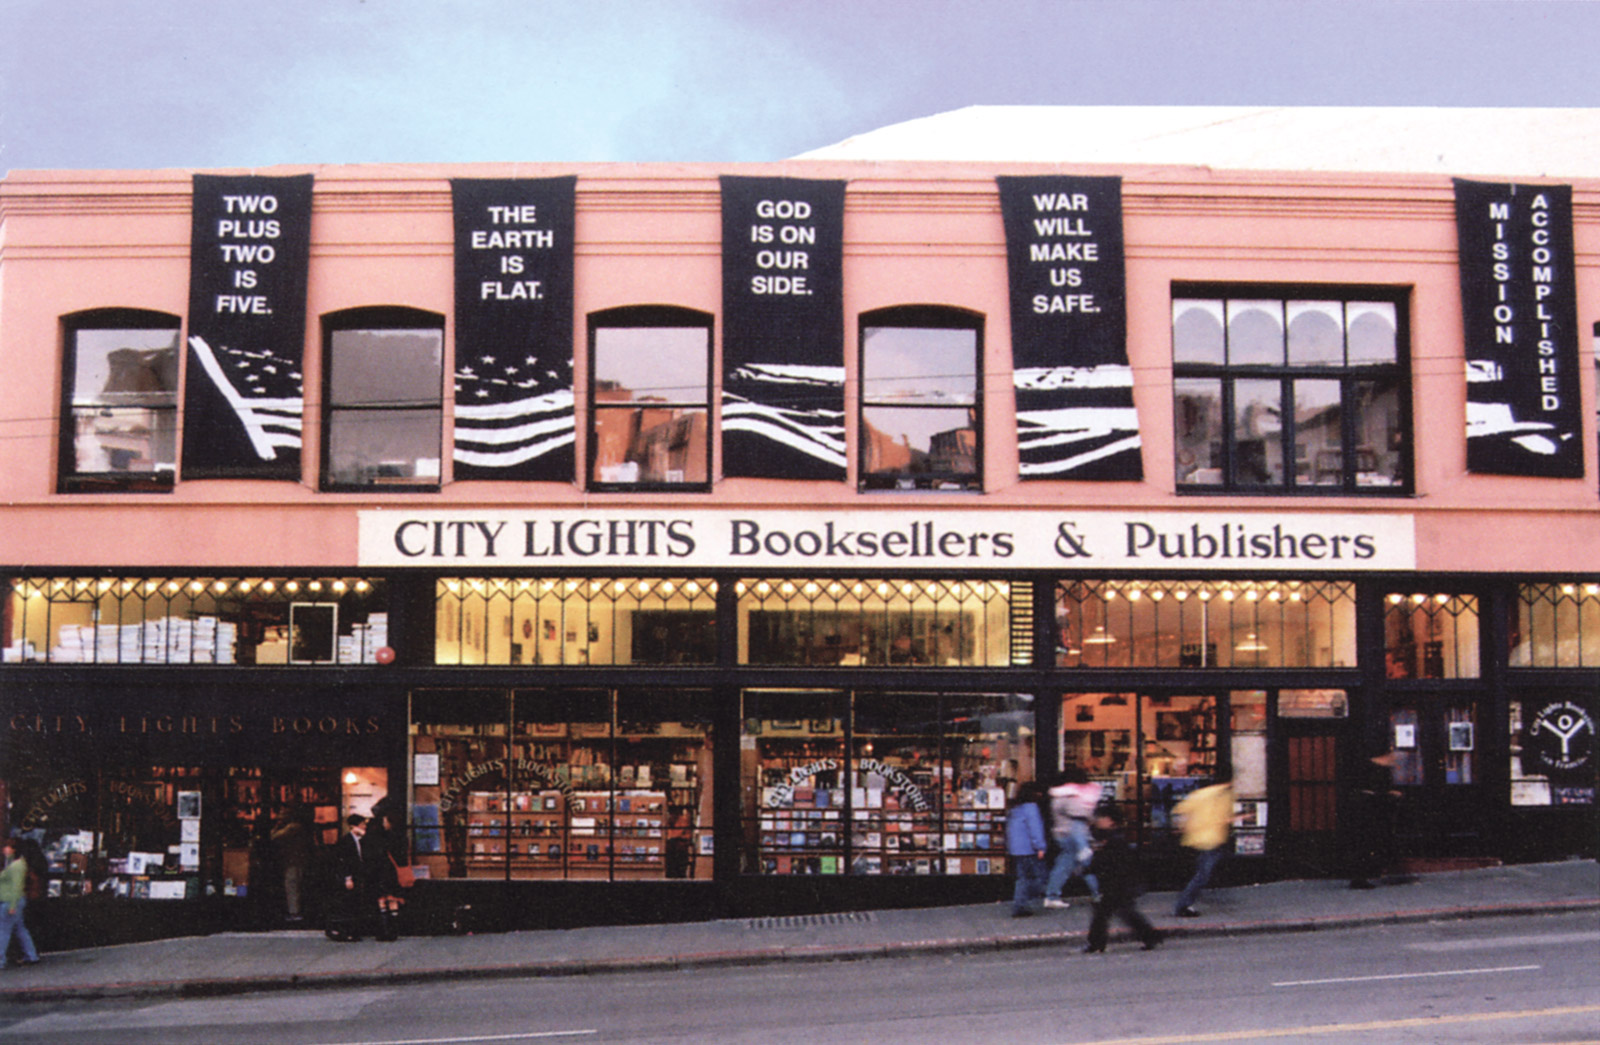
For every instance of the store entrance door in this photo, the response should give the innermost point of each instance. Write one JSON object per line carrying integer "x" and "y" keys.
{"x": 1309, "y": 838}
{"x": 1437, "y": 772}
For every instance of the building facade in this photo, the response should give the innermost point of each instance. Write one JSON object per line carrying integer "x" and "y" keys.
{"x": 675, "y": 540}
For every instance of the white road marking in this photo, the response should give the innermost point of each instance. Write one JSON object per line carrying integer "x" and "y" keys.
{"x": 1407, "y": 976}
{"x": 522, "y": 1036}
{"x": 1487, "y": 942}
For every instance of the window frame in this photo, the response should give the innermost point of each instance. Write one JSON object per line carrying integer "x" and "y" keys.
{"x": 377, "y": 317}
{"x": 635, "y": 316}
{"x": 69, "y": 479}
{"x": 934, "y": 317}
{"x": 1349, "y": 376}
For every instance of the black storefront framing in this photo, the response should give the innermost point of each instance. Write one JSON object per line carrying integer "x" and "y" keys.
{"x": 234, "y": 728}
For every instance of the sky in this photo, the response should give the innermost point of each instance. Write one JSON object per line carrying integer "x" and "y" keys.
{"x": 254, "y": 83}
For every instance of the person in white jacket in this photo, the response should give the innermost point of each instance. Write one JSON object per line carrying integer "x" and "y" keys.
{"x": 1072, "y": 806}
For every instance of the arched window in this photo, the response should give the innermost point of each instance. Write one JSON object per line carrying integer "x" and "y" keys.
{"x": 649, "y": 398}
{"x": 119, "y": 401}
{"x": 921, "y": 390}
{"x": 383, "y": 374}
{"x": 1303, "y": 393}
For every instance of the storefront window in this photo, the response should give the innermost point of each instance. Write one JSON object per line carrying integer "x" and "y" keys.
{"x": 1405, "y": 735}
{"x": 120, "y": 392}
{"x": 1553, "y": 753}
{"x": 1205, "y": 624}
{"x": 1248, "y": 726}
{"x": 1557, "y": 626}
{"x": 589, "y": 784}
{"x": 1430, "y": 636}
{"x": 881, "y": 783}
{"x": 195, "y": 620}
{"x": 823, "y": 622}
{"x": 1145, "y": 750}
{"x": 649, "y": 398}
{"x": 1280, "y": 394}
{"x": 573, "y": 621}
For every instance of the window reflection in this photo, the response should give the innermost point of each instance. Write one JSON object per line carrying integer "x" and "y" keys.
{"x": 1317, "y": 405}
{"x": 384, "y": 413}
{"x": 650, "y": 396}
{"x": 919, "y": 400}
{"x": 121, "y": 388}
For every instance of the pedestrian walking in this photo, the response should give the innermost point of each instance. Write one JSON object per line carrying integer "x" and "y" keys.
{"x": 1025, "y": 842}
{"x": 1206, "y": 819}
{"x": 1072, "y": 805}
{"x": 13, "y": 902}
{"x": 1376, "y": 799}
{"x": 1116, "y": 866}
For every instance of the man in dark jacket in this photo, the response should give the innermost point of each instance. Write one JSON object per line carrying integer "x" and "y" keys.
{"x": 1116, "y": 867}
{"x": 352, "y": 872}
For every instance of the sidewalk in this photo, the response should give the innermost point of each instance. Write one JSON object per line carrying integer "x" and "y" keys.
{"x": 230, "y": 963}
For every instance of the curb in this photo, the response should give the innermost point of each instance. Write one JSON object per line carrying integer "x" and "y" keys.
{"x": 205, "y": 988}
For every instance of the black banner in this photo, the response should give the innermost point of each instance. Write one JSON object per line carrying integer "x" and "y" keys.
{"x": 244, "y": 396}
{"x": 783, "y": 328}
{"x": 1519, "y": 313}
{"x": 513, "y": 379}
{"x": 1069, "y": 324}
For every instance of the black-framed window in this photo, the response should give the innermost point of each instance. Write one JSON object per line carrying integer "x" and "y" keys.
{"x": 921, "y": 381}
{"x": 650, "y": 399}
{"x": 1291, "y": 390}
{"x": 383, "y": 382}
{"x": 119, "y": 401}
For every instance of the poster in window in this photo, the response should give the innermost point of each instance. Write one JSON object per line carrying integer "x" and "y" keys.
{"x": 313, "y": 632}
{"x": 514, "y": 415}
{"x": 250, "y": 242}
{"x": 1519, "y": 318}
{"x": 1069, "y": 323}
{"x": 783, "y": 328}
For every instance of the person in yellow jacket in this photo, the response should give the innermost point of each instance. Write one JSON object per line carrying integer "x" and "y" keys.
{"x": 1206, "y": 816}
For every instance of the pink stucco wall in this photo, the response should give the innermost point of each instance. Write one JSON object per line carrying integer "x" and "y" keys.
{"x": 914, "y": 233}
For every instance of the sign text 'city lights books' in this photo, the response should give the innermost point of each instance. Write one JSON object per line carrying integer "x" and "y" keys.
{"x": 888, "y": 540}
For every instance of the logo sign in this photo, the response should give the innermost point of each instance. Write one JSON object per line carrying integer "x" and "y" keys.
{"x": 243, "y": 398}
{"x": 1559, "y": 740}
{"x": 1519, "y": 313}
{"x": 887, "y": 540}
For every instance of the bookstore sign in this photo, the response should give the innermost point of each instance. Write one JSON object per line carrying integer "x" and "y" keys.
{"x": 800, "y": 539}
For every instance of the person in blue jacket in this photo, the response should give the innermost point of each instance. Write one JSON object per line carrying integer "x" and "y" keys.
{"x": 1025, "y": 842}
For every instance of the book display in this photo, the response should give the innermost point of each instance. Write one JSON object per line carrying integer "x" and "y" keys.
{"x": 555, "y": 802}
{"x": 910, "y": 813}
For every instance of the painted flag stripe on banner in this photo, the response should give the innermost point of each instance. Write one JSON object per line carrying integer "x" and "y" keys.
{"x": 1074, "y": 387}
{"x": 514, "y": 417}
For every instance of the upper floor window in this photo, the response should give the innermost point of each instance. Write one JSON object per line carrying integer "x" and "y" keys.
{"x": 649, "y": 398}
{"x": 920, "y": 390}
{"x": 1279, "y": 393}
{"x": 383, "y": 372}
{"x": 119, "y": 395}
